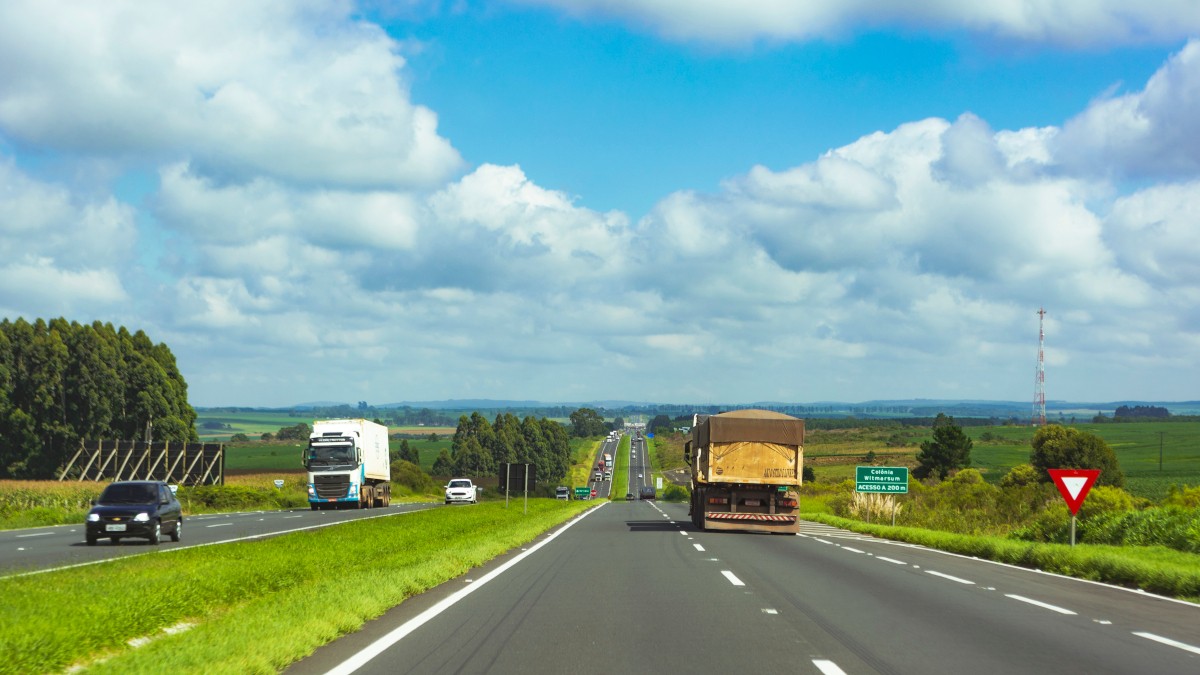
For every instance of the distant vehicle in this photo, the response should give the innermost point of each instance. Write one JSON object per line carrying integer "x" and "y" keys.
{"x": 137, "y": 508}
{"x": 561, "y": 492}
{"x": 639, "y": 475}
{"x": 597, "y": 476}
{"x": 461, "y": 490}
{"x": 646, "y": 492}
{"x": 347, "y": 464}
{"x": 628, "y": 496}
{"x": 593, "y": 493}
{"x": 608, "y": 475}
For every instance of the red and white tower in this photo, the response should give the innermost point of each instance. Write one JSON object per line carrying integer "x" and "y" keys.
{"x": 1039, "y": 378}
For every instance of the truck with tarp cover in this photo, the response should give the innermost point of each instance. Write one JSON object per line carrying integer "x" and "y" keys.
{"x": 746, "y": 471}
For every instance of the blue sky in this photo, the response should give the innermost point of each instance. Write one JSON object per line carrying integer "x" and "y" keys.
{"x": 667, "y": 200}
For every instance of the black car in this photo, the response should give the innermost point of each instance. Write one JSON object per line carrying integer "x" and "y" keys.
{"x": 145, "y": 509}
{"x": 646, "y": 492}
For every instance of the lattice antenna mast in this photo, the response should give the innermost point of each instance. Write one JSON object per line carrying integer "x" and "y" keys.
{"x": 1039, "y": 378}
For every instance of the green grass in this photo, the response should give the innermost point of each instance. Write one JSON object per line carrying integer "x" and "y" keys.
{"x": 620, "y": 478}
{"x": 256, "y": 606}
{"x": 253, "y": 424}
{"x": 1154, "y": 568}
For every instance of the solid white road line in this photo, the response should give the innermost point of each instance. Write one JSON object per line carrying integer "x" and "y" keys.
{"x": 381, "y": 645}
{"x": 1168, "y": 641}
{"x": 947, "y": 576}
{"x": 828, "y": 667}
{"x": 732, "y": 579}
{"x": 1043, "y": 605}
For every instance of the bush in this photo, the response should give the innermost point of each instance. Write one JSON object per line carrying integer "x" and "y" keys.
{"x": 1187, "y": 497}
{"x": 675, "y": 493}
{"x": 1020, "y": 476}
{"x": 412, "y": 478}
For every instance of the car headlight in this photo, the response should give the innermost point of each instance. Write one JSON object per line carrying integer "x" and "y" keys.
{"x": 312, "y": 492}
{"x": 142, "y": 517}
{"x": 353, "y": 491}
{"x": 93, "y": 517}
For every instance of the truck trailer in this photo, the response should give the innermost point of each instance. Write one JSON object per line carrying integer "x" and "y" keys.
{"x": 746, "y": 471}
{"x": 347, "y": 464}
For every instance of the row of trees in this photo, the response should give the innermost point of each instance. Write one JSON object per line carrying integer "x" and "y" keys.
{"x": 479, "y": 448}
{"x": 62, "y": 382}
{"x": 1054, "y": 447}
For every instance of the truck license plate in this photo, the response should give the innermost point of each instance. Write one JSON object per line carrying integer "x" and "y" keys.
{"x": 114, "y": 528}
{"x": 753, "y": 502}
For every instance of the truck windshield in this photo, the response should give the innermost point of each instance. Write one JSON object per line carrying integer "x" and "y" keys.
{"x": 329, "y": 455}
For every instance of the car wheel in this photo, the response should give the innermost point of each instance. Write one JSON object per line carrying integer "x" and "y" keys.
{"x": 156, "y": 534}
{"x": 178, "y": 530}
{"x": 91, "y": 541}
{"x": 315, "y": 507}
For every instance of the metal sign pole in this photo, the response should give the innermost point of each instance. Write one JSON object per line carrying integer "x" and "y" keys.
{"x": 1072, "y": 529}
{"x": 526, "y": 489}
{"x": 507, "y": 475}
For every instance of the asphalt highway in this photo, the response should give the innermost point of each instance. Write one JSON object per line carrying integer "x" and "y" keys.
{"x": 43, "y": 548}
{"x": 631, "y": 587}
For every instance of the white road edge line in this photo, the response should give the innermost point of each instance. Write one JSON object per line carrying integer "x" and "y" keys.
{"x": 1168, "y": 641}
{"x": 947, "y": 576}
{"x": 732, "y": 578}
{"x": 828, "y": 667}
{"x": 1038, "y": 603}
{"x": 368, "y": 653}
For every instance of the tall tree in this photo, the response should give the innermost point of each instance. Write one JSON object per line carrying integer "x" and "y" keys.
{"x": 1059, "y": 447}
{"x": 949, "y": 450}
{"x": 586, "y": 422}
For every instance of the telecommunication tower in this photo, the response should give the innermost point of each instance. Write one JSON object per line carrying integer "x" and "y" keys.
{"x": 1039, "y": 377}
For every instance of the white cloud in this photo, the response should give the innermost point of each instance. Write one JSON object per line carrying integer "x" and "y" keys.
{"x": 1098, "y": 22}
{"x": 293, "y": 90}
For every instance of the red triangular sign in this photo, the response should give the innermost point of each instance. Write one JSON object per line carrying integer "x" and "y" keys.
{"x": 1074, "y": 485}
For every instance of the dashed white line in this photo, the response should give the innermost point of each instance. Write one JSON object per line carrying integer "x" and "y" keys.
{"x": 769, "y": 610}
{"x": 219, "y": 525}
{"x": 699, "y": 547}
{"x": 947, "y": 576}
{"x": 852, "y": 550}
{"x": 35, "y": 534}
{"x": 732, "y": 578}
{"x": 823, "y": 541}
{"x": 891, "y": 560}
{"x": 1168, "y": 641}
{"x": 828, "y": 667}
{"x": 1039, "y": 603}
{"x": 293, "y": 517}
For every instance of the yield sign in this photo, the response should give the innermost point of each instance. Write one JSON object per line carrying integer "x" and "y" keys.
{"x": 1074, "y": 485}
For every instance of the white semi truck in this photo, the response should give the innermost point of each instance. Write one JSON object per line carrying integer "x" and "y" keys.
{"x": 347, "y": 463}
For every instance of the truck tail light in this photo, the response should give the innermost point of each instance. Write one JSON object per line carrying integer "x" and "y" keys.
{"x": 718, "y": 500}
{"x": 788, "y": 503}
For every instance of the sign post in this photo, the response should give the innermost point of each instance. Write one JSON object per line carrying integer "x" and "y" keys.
{"x": 881, "y": 479}
{"x": 1074, "y": 485}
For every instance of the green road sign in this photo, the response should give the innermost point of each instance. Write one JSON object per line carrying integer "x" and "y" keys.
{"x": 583, "y": 492}
{"x": 891, "y": 479}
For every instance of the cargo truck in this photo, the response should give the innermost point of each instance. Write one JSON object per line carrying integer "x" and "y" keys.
{"x": 745, "y": 471}
{"x": 347, "y": 464}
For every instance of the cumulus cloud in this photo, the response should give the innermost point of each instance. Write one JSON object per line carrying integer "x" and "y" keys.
{"x": 293, "y": 90}
{"x": 1154, "y": 132}
{"x": 730, "y": 21}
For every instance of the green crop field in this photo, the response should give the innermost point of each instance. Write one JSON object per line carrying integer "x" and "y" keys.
{"x": 253, "y": 424}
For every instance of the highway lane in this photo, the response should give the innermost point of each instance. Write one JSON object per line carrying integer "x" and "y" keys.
{"x": 631, "y": 587}
{"x": 41, "y": 548}
{"x": 603, "y": 487}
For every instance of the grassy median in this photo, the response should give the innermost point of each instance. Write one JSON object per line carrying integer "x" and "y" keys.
{"x": 251, "y": 607}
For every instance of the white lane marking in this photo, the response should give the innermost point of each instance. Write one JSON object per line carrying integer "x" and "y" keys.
{"x": 286, "y": 517}
{"x": 683, "y": 532}
{"x": 732, "y": 579}
{"x": 852, "y": 550}
{"x": 1038, "y": 603}
{"x": 35, "y": 534}
{"x": 823, "y": 541}
{"x": 219, "y": 525}
{"x": 768, "y": 610}
{"x": 828, "y": 667}
{"x": 947, "y": 576}
{"x": 364, "y": 656}
{"x": 699, "y": 547}
{"x": 1168, "y": 641}
{"x": 891, "y": 560}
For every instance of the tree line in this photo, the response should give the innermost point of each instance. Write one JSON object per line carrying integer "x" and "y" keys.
{"x": 64, "y": 382}
{"x": 480, "y": 448}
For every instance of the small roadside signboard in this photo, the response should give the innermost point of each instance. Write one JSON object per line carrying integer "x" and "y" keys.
{"x": 582, "y": 492}
{"x": 1074, "y": 485}
{"x": 889, "y": 479}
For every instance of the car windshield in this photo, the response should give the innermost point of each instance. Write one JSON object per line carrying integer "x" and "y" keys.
{"x": 129, "y": 493}
{"x": 460, "y": 483}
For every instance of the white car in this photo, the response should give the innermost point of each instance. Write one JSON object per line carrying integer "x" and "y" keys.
{"x": 639, "y": 475}
{"x": 460, "y": 490}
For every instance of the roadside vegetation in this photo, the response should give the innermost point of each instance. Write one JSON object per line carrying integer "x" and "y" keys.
{"x": 250, "y": 607}
{"x": 620, "y": 477}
